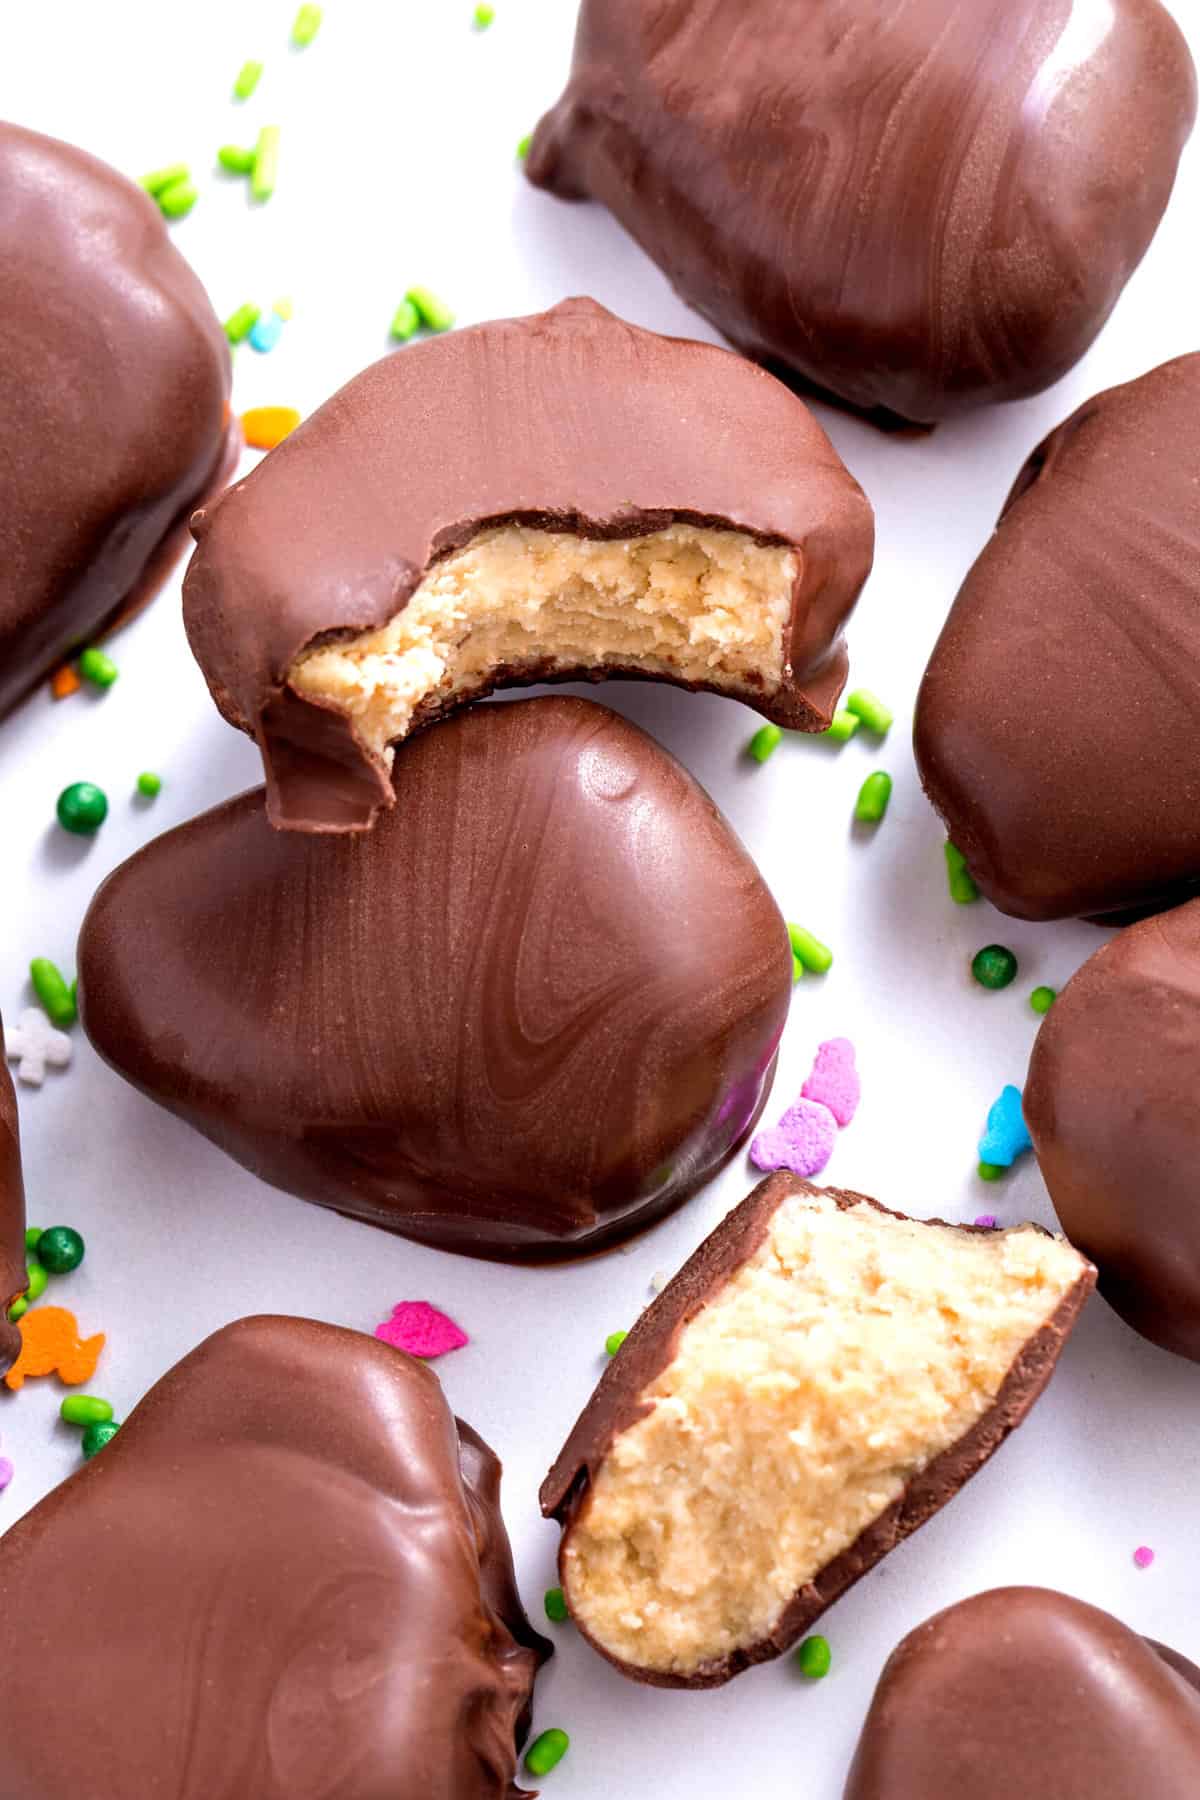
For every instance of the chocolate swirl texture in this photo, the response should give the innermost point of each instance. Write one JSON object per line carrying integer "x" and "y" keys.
{"x": 114, "y": 391}
{"x": 915, "y": 205}
{"x": 286, "y": 1577}
{"x": 1058, "y": 721}
{"x": 1111, "y": 1102}
{"x": 567, "y": 457}
{"x": 535, "y": 1008}
{"x": 1027, "y": 1691}
{"x": 12, "y": 1214}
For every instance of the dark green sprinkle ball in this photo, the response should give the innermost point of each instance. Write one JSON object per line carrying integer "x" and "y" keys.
{"x": 994, "y": 966}
{"x": 96, "y": 1436}
{"x": 82, "y": 808}
{"x": 60, "y": 1249}
{"x": 556, "y": 1606}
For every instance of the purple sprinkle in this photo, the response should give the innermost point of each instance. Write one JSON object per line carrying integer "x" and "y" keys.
{"x": 802, "y": 1141}
{"x": 987, "y": 1221}
{"x": 1143, "y": 1556}
{"x": 6, "y": 1472}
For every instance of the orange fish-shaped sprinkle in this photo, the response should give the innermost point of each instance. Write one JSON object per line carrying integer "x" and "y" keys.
{"x": 51, "y": 1344}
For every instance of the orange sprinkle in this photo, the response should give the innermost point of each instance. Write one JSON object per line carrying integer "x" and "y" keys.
{"x": 50, "y": 1343}
{"x": 266, "y": 426}
{"x": 64, "y": 681}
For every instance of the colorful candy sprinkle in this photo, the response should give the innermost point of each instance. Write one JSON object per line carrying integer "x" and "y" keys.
{"x": 1042, "y": 999}
{"x": 1143, "y": 1556}
{"x": 547, "y": 1751}
{"x": 556, "y": 1606}
{"x": 873, "y": 798}
{"x": 962, "y": 887}
{"x": 176, "y": 201}
{"x": 51, "y": 1344}
{"x": 149, "y": 785}
{"x": 305, "y": 26}
{"x": 990, "y": 1172}
{"x": 843, "y": 728}
{"x": 814, "y": 1658}
{"x": 524, "y": 145}
{"x": 236, "y": 159}
{"x": 870, "y": 709}
{"x": 406, "y": 322}
{"x": 986, "y": 1221}
{"x": 35, "y": 1046}
{"x": 422, "y": 1330}
{"x": 82, "y": 808}
{"x": 814, "y": 955}
{"x": 241, "y": 323}
{"x": 266, "y": 426}
{"x": 802, "y": 1141}
{"x": 61, "y": 1249}
{"x": 64, "y": 682}
{"x": 483, "y": 15}
{"x": 764, "y": 743}
{"x": 265, "y": 172}
{"x": 85, "y": 1409}
{"x": 248, "y": 78}
{"x": 266, "y": 332}
{"x": 38, "y": 1280}
{"x": 98, "y": 668}
{"x": 159, "y": 180}
{"x": 834, "y": 1080}
{"x": 95, "y": 1438}
{"x": 994, "y": 967}
{"x": 1007, "y": 1135}
{"x": 50, "y": 986}
{"x": 435, "y": 314}
{"x": 613, "y": 1342}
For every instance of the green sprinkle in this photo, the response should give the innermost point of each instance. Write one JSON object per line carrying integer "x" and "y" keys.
{"x": 764, "y": 743}
{"x": 176, "y": 201}
{"x": 434, "y": 313}
{"x": 873, "y": 797}
{"x": 406, "y": 322}
{"x": 37, "y": 1280}
{"x": 556, "y": 1606}
{"x": 991, "y": 1172}
{"x": 870, "y": 709}
{"x": 85, "y": 1409}
{"x": 248, "y": 78}
{"x": 797, "y": 968}
{"x": 149, "y": 785}
{"x": 994, "y": 966}
{"x": 60, "y": 1249}
{"x": 266, "y": 163}
{"x": 82, "y": 808}
{"x": 160, "y": 179}
{"x": 483, "y": 15}
{"x": 98, "y": 668}
{"x": 96, "y": 1436}
{"x": 844, "y": 726}
{"x": 810, "y": 951}
{"x": 18, "y": 1309}
{"x": 33, "y": 1237}
{"x": 614, "y": 1340}
{"x": 241, "y": 323}
{"x": 523, "y": 146}
{"x": 305, "y": 26}
{"x": 546, "y": 1752}
{"x": 236, "y": 159}
{"x": 814, "y": 1657}
{"x": 50, "y": 986}
{"x": 1042, "y": 999}
{"x": 962, "y": 889}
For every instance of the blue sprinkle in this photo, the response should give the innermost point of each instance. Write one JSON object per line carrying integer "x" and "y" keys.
{"x": 266, "y": 332}
{"x": 1006, "y": 1136}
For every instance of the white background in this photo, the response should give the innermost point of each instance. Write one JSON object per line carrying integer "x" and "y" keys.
{"x": 397, "y": 166}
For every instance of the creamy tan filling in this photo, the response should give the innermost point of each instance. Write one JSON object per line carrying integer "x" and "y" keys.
{"x": 851, "y": 1350}
{"x": 697, "y": 604}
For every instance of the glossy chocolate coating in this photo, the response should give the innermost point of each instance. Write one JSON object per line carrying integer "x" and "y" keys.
{"x": 535, "y": 1008}
{"x": 570, "y": 420}
{"x": 1113, "y": 1106}
{"x": 650, "y": 1347}
{"x": 287, "y": 1577}
{"x": 114, "y": 389}
{"x": 915, "y": 205}
{"x": 12, "y": 1214}
{"x": 1026, "y": 1692}
{"x": 1058, "y": 725}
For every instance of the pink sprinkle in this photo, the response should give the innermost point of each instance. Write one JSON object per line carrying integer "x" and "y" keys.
{"x": 421, "y": 1329}
{"x": 1143, "y": 1556}
{"x": 987, "y": 1221}
{"x": 802, "y": 1141}
{"x": 834, "y": 1080}
{"x": 6, "y": 1472}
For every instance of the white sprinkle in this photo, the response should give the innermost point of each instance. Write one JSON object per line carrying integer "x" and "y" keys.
{"x": 35, "y": 1046}
{"x": 658, "y": 1281}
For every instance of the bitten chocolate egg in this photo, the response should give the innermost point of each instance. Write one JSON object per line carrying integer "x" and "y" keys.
{"x": 286, "y": 1576}
{"x": 1112, "y": 1105}
{"x": 534, "y": 1009}
{"x": 552, "y": 498}
{"x": 114, "y": 402}
{"x": 12, "y": 1214}
{"x": 1057, "y": 728}
{"x": 916, "y": 205}
{"x": 1023, "y": 1691}
{"x": 817, "y": 1381}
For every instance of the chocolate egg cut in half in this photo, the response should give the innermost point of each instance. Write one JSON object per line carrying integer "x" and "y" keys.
{"x": 817, "y": 1381}
{"x": 534, "y": 1009}
{"x": 114, "y": 402}
{"x": 553, "y": 498}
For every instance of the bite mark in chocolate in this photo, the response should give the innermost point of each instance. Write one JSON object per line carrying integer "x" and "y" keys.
{"x": 286, "y": 1576}
{"x": 553, "y": 498}
{"x": 818, "y": 1380}
{"x": 534, "y": 1009}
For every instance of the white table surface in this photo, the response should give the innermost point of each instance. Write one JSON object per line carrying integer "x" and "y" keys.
{"x": 397, "y": 166}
